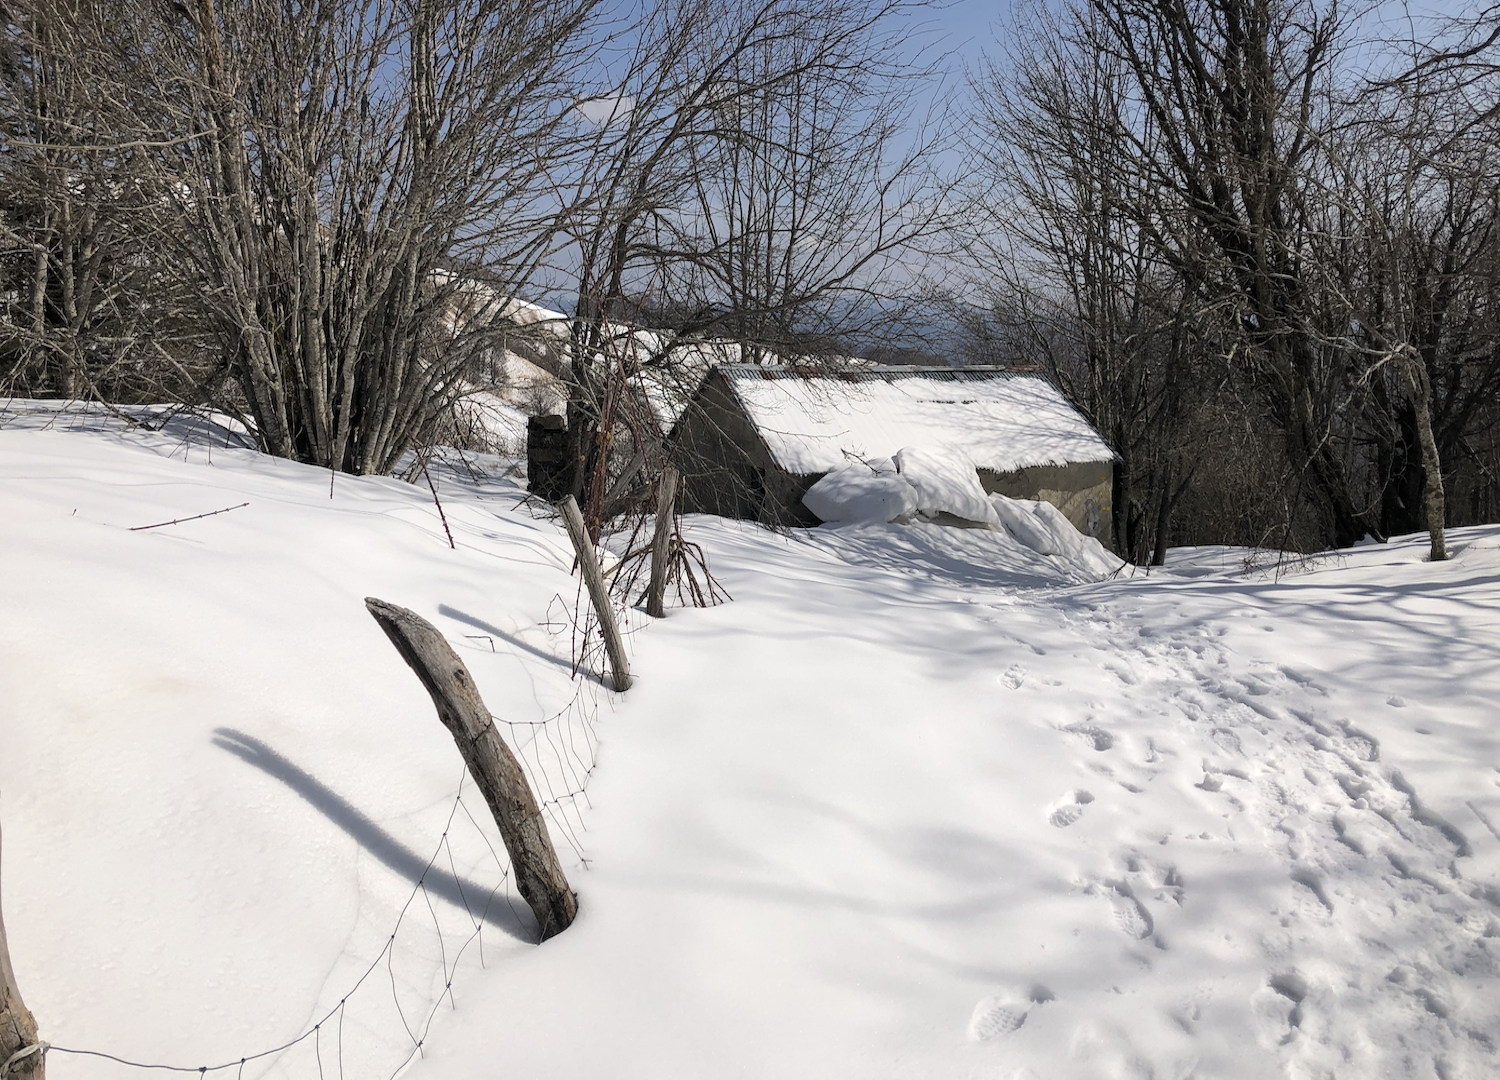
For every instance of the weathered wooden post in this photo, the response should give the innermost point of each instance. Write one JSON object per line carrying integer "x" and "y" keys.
{"x": 661, "y": 542}
{"x": 539, "y": 877}
{"x": 588, "y": 564}
{"x": 22, "y": 1055}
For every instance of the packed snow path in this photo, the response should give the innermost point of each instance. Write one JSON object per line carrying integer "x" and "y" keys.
{"x": 902, "y": 789}
{"x": 914, "y": 804}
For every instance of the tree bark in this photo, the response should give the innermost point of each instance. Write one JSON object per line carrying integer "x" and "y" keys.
{"x": 588, "y": 565}
{"x": 1433, "y": 503}
{"x": 661, "y": 542}
{"x": 538, "y": 875}
{"x": 17, "y": 1026}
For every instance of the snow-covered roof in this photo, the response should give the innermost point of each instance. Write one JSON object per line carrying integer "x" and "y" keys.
{"x": 815, "y": 421}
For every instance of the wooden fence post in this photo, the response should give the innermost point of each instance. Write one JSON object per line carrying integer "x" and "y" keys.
{"x": 588, "y": 563}
{"x": 17, "y": 1026}
{"x": 539, "y": 877}
{"x": 661, "y": 542}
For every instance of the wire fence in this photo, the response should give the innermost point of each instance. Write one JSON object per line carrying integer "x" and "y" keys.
{"x": 559, "y": 755}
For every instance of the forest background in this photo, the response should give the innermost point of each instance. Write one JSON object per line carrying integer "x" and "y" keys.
{"x": 1252, "y": 240}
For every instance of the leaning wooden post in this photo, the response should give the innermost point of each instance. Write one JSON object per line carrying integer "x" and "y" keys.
{"x": 539, "y": 877}
{"x": 22, "y": 1055}
{"x": 661, "y": 542}
{"x": 588, "y": 563}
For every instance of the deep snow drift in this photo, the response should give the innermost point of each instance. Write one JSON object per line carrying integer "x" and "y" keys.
{"x": 918, "y": 802}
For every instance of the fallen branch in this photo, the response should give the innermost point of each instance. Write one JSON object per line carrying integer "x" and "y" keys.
{"x": 436, "y": 501}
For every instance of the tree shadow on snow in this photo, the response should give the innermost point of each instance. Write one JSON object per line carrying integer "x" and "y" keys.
{"x": 490, "y": 905}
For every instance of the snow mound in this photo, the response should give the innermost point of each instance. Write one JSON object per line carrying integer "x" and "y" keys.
{"x": 921, "y": 482}
{"x": 945, "y": 482}
{"x": 1046, "y": 530}
{"x": 858, "y": 493}
{"x": 1021, "y": 522}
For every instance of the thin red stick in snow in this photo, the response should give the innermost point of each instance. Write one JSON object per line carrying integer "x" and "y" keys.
{"x": 195, "y": 517}
{"x": 437, "y": 502}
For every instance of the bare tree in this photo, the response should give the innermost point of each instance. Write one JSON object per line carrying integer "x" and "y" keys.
{"x": 323, "y": 174}
{"x": 1059, "y": 224}
{"x": 88, "y": 309}
{"x": 18, "y": 1034}
{"x": 747, "y": 182}
{"x": 1240, "y": 98}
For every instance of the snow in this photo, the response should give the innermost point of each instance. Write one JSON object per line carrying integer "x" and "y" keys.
{"x": 1003, "y": 422}
{"x": 1018, "y": 518}
{"x": 858, "y": 493}
{"x": 946, "y": 483}
{"x": 919, "y": 802}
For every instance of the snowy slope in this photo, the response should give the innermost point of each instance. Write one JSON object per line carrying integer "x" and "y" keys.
{"x": 219, "y": 782}
{"x": 917, "y": 803}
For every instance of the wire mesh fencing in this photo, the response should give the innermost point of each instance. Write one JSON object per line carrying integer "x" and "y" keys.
{"x": 379, "y": 1005}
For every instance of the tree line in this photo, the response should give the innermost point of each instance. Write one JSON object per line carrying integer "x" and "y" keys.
{"x": 1255, "y": 250}
{"x": 1260, "y": 253}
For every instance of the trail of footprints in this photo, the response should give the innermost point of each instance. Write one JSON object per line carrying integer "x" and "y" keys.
{"x": 1308, "y": 779}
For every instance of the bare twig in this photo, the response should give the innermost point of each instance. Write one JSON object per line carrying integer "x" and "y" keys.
{"x": 195, "y": 517}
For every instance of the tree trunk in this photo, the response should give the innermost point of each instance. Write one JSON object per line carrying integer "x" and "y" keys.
{"x": 1120, "y": 505}
{"x": 1163, "y": 517}
{"x": 661, "y": 542}
{"x": 538, "y": 876}
{"x": 588, "y": 565}
{"x": 1432, "y": 494}
{"x": 17, "y": 1027}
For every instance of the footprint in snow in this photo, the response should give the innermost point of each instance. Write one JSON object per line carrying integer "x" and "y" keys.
{"x": 1069, "y": 808}
{"x": 1001, "y": 1015}
{"x": 1277, "y": 1008}
{"x": 1123, "y": 673}
{"x": 1014, "y": 676}
{"x": 1092, "y": 734}
{"x": 1226, "y": 740}
{"x": 1130, "y": 914}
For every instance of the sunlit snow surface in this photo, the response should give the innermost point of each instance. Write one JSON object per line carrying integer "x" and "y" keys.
{"x": 814, "y": 423}
{"x": 918, "y": 802}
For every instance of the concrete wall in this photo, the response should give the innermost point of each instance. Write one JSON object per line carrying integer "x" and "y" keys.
{"x": 1082, "y": 491}
{"x": 726, "y": 468}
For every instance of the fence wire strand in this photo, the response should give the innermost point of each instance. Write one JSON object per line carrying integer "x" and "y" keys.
{"x": 558, "y": 755}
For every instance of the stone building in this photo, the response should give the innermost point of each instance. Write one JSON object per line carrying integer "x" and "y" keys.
{"x": 753, "y": 439}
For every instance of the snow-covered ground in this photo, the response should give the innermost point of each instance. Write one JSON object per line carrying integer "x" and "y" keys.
{"x": 917, "y": 802}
